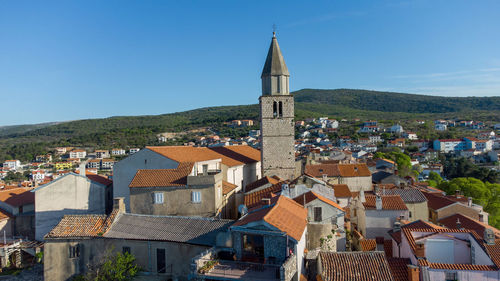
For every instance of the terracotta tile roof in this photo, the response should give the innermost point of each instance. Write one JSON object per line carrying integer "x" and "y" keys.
{"x": 359, "y": 266}
{"x": 255, "y": 198}
{"x": 162, "y": 177}
{"x": 310, "y": 196}
{"x": 17, "y": 197}
{"x": 418, "y": 224}
{"x": 342, "y": 190}
{"x": 468, "y": 223}
{"x": 399, "y": 268}
{"x": 494, "y": 252}
{"x": 411, "y": 241}
{"x": 227, "y": 187}
{"x": 354, "y": 170}
{"x": 97, "y": 178}
{"x": 389, "y": 202}
{"x": 437, "y": 202}
{"x": 82, "y": 226}
{"x": 368, "y": 245}
{"x": 234, "y": 156}
{"x": 284, "y": 214}
{"x": 260, "y": 182}
{"x": 247, "y": 154}
{"x": 318, "y": 170}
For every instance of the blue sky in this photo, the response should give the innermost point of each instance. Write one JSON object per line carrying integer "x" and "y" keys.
{"x": 67, "y": 60}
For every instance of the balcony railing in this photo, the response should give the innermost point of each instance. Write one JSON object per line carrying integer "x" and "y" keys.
{"x": 225, "y": 269}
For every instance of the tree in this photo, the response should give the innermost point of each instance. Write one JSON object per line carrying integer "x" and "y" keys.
{"x": 434, "y": 179}
{"x": 111, "y": 267}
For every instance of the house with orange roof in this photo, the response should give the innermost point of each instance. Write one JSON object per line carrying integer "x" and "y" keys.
{"x": 77, "y": 153}
{"x": 12, "y": 164}
{"x": 451, "y": 254}
{"x": 268, "y": 241}
{"x": 356, "y": 176}
{"x": 374, "y": 215}
{"x": 19, "y": 202}
{"x": 325, "y": 222}
{"x": 164, "y": 169}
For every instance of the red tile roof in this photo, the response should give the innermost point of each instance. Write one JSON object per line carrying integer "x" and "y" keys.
{"x": 82, "y": 226}
{"x": 437, "y": 202}
{"x": 368, "y": 245}
{"x": 468, "y": 223}
{"x": 162, "y": 177}
{"x": 359, "y": 266}
{"x": 318, "y": 170}
{"x": 399, "y": 268}
{"x": 341, "y": 190}
{"x": 418, "y": 224}
{"x": 230, "y": 155}
{"x": 17, "y": 197}
{"x": 260, "y": 182}
{"x": 310, "y": 196}
{"x": 255, "y": 198}
{"x": 389, "y": 202}
{"x": 284, "y": 214}
{"x": 227, "y": 187}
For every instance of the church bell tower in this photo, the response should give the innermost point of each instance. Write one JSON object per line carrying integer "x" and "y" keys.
{"x": 276, "y": 117}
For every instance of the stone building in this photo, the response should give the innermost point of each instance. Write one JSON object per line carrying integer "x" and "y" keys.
{"x": 162, "y": 245}
{"x": 276, "y": 117}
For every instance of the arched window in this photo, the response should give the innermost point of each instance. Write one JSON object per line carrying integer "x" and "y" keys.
{"x": 281, "y": 109}
{"x": 275, "y": 109}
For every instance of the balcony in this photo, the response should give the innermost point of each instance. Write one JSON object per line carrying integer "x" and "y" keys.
{"x": 209, "y": 178}
{"x": 212, "y": 265}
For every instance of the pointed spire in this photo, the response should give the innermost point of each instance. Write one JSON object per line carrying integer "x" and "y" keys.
{"x": 275, "y": 63}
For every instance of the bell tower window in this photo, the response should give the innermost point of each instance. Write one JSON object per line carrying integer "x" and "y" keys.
{"x": 281, "y": 109}
{"x": 275, "y": 109}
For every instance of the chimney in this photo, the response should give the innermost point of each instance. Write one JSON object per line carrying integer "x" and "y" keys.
{"x": 489, "y": 236}
{"x": 413, "y": 273}
{"x": 267, "y": 201}
{"x": 378, "y": 202}
{"x": 119, "y": 204}
{"x": 362, "y": 195}
{"x": 396, "y": 227}
{"x": 459, "y": 224}
{"x": 469, "y": 201}
{"x": 420, "y": 250}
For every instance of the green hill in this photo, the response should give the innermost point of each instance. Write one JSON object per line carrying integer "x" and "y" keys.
{"x": 27, "y": 140}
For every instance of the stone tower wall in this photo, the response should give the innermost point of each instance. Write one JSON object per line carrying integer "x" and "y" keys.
{"x": 277, "y": 137}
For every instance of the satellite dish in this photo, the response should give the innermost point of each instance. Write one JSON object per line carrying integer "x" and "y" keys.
{"x": 242, "y": 209}
{"x": 284, "y": 186}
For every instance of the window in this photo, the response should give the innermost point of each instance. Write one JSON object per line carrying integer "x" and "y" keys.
{"x": 281, "y": 109}
{"x": 275, "y": 109}
{"x": 410, "y": 214}
{"x": 450, "y": 276}
{"x": 205, "y": 169}
{"x": 158, "y": 197}
{"x": 196, "y": 196}
{"x": 74, "y": 251}
{"x": 317, "y": 214}
{"x": 125, "y": 250}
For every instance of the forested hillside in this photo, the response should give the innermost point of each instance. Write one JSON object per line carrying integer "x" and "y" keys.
{"x": 26, "y": 141}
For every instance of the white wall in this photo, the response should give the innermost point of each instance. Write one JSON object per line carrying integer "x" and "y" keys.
{"x": 378, "y": 222}
{"x": 70, "y": 194}
{"x": 125, "y": 170}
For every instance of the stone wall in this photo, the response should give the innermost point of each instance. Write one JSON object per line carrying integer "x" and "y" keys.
{"x": 289, "y": 269}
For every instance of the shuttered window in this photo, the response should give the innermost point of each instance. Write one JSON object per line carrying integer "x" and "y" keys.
{"x": 317, "y": 214}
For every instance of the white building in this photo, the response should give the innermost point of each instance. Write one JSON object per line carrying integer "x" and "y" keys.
{"x": 38, "y": 175}
{"x": 118, "y": 152}
{"x": 77, "y": 153}
{"x": 440, "y": 127}
{"x": 12, "y": 164}
{"x": 396, "y": 129}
